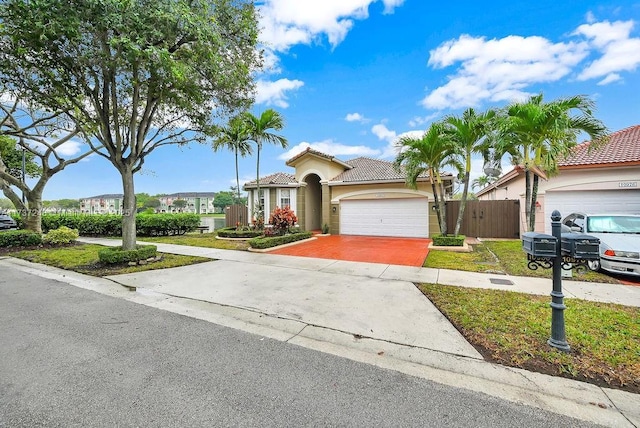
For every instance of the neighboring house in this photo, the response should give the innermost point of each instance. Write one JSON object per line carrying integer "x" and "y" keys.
{"x": 102, "y": 204}
{"x": 361, "y": 196}
{"x": 606, "y": 179}
{"x": 197, "y": 202}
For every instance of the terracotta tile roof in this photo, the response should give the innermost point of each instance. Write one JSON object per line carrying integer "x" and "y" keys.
{"x": 623, "y": 147}
{"x": 309, "y": 150}
{"x": 277, "y": 178}
{"x": 366, "y": 169}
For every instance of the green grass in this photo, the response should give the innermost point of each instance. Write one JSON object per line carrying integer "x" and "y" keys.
{"x": 510, "y": 260}
{"x": 512, "y": 329}
{"x": 83, "y": 258}
{"x": 207, "y": 240}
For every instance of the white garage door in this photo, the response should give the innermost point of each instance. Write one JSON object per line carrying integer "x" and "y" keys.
{"x": 595, "y": 201}
{"x": 385, "y": 217}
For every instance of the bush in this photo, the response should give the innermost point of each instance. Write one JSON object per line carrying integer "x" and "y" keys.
{"x": 61, "y": 235}
{"x": 282, "y": 219}
{"x": 113, "y": 255}
{"x": 268, "y": 242}
{"x": 231, "y": 232}
{"x": 19, "y": 238}
{"x": 111, "y": 224}
{"x": 448, "y": 240}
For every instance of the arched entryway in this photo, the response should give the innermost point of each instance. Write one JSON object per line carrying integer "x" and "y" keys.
{"x": 313, "y": 203}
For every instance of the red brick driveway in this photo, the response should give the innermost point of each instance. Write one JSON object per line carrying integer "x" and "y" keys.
{"x": 372, "y": 249}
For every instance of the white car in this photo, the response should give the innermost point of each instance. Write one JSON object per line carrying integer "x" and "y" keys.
{"x": 619, "y": 236}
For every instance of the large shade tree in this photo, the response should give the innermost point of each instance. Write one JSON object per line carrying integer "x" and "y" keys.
{"x": 538, "y": 134}
{"x": 45, "y": 139}
{"x": 429, "y": 155}
{"x": 134, "y": 75}
{"x": 469, "y": 133}
{"x": 260, "y": 132}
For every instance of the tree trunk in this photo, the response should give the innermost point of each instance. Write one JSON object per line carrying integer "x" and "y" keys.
{"x": 436, "y": 201}
{"x": 463, "y": 203}
{"x": 33, "y": 219}
{"x": 128, "y": 211}
{"x": 532, "y": 208}
{"x": 237, "y": 177}
{"x": 258, "y": 206}
{"x": 527, "y": 199}
{"x": 442, "y": 207}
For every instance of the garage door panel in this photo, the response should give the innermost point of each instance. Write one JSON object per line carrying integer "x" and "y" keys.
{"x": 388, "y": 217}
{"x": 596, "y": 201}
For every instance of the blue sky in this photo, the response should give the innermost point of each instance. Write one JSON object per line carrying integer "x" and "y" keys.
{"x": 350, "y": 76}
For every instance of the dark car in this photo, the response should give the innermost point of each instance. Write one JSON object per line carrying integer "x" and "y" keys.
{"x": 7, "y": 223}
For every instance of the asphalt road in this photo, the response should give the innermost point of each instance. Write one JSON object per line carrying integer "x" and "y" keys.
{"x": 71, "y": 357}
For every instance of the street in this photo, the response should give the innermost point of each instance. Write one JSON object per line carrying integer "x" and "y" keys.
{"x": 72, "y": 357}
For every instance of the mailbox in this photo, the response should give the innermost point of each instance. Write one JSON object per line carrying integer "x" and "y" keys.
{"x": 539, "y": 244}
{"x": 580, "y": 246}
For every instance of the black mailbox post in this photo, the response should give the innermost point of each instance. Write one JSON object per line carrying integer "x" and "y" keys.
{"x": 580, "y": 246}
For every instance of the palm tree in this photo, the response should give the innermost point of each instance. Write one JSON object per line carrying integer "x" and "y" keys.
{"x": 258, "y": 127}
{"x": 538, "y": 134}
{"x": 234, "y": 136}
{"x": 482, "y": 182}
{"x": 429, "y": 153}
{"x": 468, "y": 132}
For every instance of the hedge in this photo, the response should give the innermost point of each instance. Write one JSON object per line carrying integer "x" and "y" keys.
{"x": 448, "y": 240}
{"x": 273, "y": 241}
{"x": 231, "y": 232}
{"x": 19, "y": 238}
{"x": 111, "y": 224}
{"x": 113, "y": 255}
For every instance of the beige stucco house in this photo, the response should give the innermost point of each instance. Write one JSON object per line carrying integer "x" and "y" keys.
{"x": 606, "y": 179}
{"x": 361, "y": 196}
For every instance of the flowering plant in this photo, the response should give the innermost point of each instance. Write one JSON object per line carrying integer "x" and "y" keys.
{"x": 282, "y": 219}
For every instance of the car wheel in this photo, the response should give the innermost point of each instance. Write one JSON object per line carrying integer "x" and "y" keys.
{"x": 594, "y": 265}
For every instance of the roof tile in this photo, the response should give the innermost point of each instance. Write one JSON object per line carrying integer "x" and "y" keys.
{"x": 623, "y": 147}
{"x": 277, "y": 178}
{"x": 367, "y": 169}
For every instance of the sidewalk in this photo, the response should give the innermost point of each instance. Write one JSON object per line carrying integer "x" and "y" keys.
{"x": 367, "y": 312}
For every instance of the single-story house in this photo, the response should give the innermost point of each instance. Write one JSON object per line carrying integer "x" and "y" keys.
{"x": 361, "y": 196}
{"x": 604, "y": 179}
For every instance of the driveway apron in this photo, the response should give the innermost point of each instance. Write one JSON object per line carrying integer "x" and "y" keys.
{"x": 372, "y": 249}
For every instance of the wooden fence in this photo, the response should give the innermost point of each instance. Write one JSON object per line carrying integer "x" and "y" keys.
{"x": 486, "y": 219}
{"x": 236, "y": 214}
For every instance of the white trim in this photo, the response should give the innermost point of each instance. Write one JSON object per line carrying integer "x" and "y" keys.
{"x": 422, "y": 193}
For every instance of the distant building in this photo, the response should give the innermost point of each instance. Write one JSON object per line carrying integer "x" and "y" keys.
{"x": 102, "y": 204}
{"x": 196, "y": 202}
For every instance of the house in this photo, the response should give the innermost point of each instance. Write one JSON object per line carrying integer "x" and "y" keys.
{"x": 102, "y": 204}
{"x": 196, "y": 202}
{"x": 361, "y": 196}
{"x": 603, "y": 179}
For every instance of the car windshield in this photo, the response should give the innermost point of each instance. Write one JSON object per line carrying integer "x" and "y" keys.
{"x": 613, "y": 224}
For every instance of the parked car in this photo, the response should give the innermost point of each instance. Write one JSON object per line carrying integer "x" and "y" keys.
{"x": 7, "y": 222}
{"x": 619, "y": 236}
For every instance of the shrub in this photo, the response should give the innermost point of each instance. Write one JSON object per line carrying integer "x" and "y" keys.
{"x": 61, "y": 235}
{"x": 448, "y": 240}
{"x": 20, "y": 238}
{"x": 113, "y": 255}
{"x": 231, "y": 232}
{"x": 282, "y": 219}
{"x": 268, "y": 242}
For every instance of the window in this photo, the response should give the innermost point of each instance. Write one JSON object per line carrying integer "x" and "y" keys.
{"x": 285, "y": 198}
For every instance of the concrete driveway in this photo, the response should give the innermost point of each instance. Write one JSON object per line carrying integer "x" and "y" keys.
{"x": 372, "y": 249}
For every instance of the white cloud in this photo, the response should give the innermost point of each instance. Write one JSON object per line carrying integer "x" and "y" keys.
{"x": 383, "y": 133}
{"x": 289, "y": 22}
{"x": 620, "y": 51}
{"x": 419, "y": 121}
{"x": 498, "y": 69}
{"x": 330, "y": 147}
{"x": 356, "y": 117}
{"x": 274, "y": 93}
{"x": 65, "y": 150}
{"x": 392, "y": 137}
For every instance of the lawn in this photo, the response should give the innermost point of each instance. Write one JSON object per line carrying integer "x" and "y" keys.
{"x": 83, "y": 258}
{"x": 512, "y": 329}
{"x": 207, "y": 240}
{"x": 504, "y": 256}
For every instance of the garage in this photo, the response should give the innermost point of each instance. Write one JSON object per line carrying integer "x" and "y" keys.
{"x": 407, "y": 217}
{"x": 625, "y": 201}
